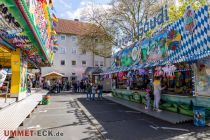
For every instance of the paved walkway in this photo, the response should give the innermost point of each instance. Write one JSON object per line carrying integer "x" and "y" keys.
{"x": 12, "y": 116}
{"x": 78, "y": 119}
{"x": 64, "y": 116}
{"x": 123, "y": 123}
{"x": 164, "y": 115}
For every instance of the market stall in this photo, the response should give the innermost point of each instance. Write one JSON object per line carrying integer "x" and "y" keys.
{"x": 179, "y": 54}
{"x": 26, "y": 39}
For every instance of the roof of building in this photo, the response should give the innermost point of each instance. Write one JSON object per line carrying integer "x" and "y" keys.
{"x": 74, "y": 27}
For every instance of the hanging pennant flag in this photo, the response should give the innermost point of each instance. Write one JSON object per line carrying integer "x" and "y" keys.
{"x": 54, "y": 18}
{"x": 50, "y": 3}
{"x": 53, "y": 31}
{"x": 54, "y": 24}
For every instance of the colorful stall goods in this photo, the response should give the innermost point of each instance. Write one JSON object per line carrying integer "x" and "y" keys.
{"x": 169, "y": 70}
{"x": 158, "y": 71}
{"x": 122, "y": 76}
{"x": 46, "y": 100}
{"x": 142, "y": 72}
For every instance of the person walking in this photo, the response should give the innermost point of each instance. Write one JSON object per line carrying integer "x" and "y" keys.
{"x": 89, "y": 91}
{"x": 78, "y": 86}
{"x": 148, "y": 97}
{"x": 85, "y": 86}
{"x": 81, "y": 86}
{"x": 94, "y": 89}
{"x": 58, "y": 86}
{"x": 157, "y": 93}
{"x": 29, "y": 85}
{"x": 74, "y": 83}
{"x": 3, "y": 75}
{"x": 67, "y": 85}
{"x": 100, "y": 91}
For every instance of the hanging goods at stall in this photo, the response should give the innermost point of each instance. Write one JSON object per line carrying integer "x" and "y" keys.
{"x": 169, "y": 70}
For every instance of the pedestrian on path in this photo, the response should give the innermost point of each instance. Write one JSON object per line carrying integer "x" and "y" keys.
{"x": 81, "y": 86}
{"x": 3, "y": 75}
{"x": 157, "y": 93}
{"x": 89, "y": 90}
{"x": 29, "y": 85}
{"x": 94, "y": 89}
{"x": 78, "y": 86}
{"x": 148, "y": 97}
{"x": 100, "y": 91}
{"x": 58, "y": 86}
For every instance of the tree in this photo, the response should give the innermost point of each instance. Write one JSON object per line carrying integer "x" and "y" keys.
{"x": 176, "y": 12}
{"x": 123, "y": 17}
{"x": 96, "y": 41}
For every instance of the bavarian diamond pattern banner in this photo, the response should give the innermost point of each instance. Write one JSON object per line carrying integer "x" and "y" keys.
{"x": 192, "y": 46}
{"x": 195, "y": 45}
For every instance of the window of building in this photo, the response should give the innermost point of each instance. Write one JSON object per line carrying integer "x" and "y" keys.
{"x": 101, "y": 63}
{"x": 73, "y": 63}
{"x": 62, "y": 50}
{"x": 96, "y": 63}
{"x": 73, "y": 38}
{"x": 73, "y": 73}
{"x": 74, "y": 50}
{"x": 83, "y": 63}
{"x": 96, "y": 40}
{"x": 83, "y": 52}
{"x": 55, "y": 49}
{"x": 62, "y": 62}
{"x": 63, "y": 37}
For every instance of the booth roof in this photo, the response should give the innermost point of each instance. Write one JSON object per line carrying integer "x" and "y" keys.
{"x": 53, "y": 74}
{"x": 93, "y": 70}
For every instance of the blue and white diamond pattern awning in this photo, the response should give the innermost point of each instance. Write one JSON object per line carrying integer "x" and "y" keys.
{"x": 193, "y": 46}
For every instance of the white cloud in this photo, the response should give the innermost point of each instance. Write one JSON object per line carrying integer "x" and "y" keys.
{"x": 85, "y": 7}
{"x": 67, "y": 5}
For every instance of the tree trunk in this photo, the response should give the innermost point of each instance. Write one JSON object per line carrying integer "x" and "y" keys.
{"x": 93, "y": 59}
{"x": 104, "y": 61}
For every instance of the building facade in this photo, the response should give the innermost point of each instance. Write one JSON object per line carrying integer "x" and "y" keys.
{"x": 70, "y": 60}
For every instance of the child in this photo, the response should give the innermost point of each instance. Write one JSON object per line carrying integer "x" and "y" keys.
{"x": 148, "y": 97}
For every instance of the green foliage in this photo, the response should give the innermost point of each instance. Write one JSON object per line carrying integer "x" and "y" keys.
{"x": 176, "y": 12}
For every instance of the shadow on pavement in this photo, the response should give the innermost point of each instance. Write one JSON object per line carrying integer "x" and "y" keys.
{"x": 122, "y": 123}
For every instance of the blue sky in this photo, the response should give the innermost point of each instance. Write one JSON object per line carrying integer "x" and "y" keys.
{"x": 71, "y": 9}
